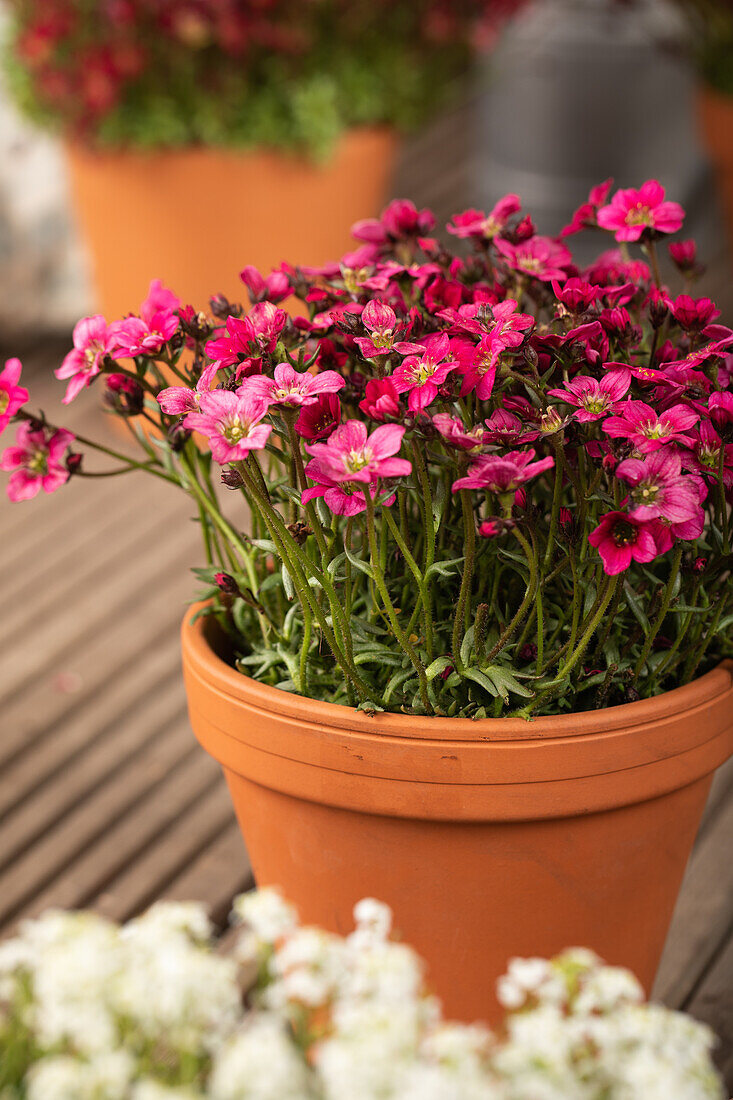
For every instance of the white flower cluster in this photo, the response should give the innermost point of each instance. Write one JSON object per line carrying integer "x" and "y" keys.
{"x": 150, "y": 1011}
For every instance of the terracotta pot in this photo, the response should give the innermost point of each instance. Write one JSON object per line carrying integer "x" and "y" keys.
{"x": 489, "y": 839}
{"x": 715, "y": 121}
{"x": 195, "y": 217}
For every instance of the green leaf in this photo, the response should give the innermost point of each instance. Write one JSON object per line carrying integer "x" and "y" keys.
{"x": 443, "y": 568}
{"x": 506, "y": 682}
{"x": 439, "y": 665}
{"x": 287, "y": 583}
{"x": 635, "y": 604}
{"x": 478, "y": 677}
{"x": 359, "y": 564}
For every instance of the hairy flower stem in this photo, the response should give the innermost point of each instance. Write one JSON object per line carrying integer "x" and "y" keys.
{"x": 419, "y": 579}
{"x": 709, "y": 636}
{"x": 651, "y": 250}
{"x": 427, "y": 504}
{"x": 313, "y": 520}
{"x": 399, "y": 633}
{"x": 666, "y": 601}
{"x": 722, "y": 502}
{"x": 459, "y": 622}
{"x": 528, "y": 597}
{"x": 294, "y": 563}
{"x": 556, "y": 498}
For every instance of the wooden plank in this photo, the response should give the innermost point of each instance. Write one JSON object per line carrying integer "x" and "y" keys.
{"x": 705, "y": 904}
{"x": 219, "y": 873}
{"x": 124, "y": 794}
{"x": 128, "y": 836}
{"x": 133, "y": 629}
{"x": 75, "y": 763}
{"x": 168, "y": 856}
{"x": 712, "y": 1003}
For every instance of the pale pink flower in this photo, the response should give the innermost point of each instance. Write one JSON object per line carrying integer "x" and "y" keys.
{"x": 292, "y": 388}
{"x": 343, "y": 498}
{"x": 659, "y": 489}
{"x": 12, "y": 396}
{"x": 621, "y": 539}
{"x": 159, "y": 300}
{"x": 455, "y": 433}
{"x": 232, "y": 424}
{"x": 138, "y": 336}
{"x": 481, "y": 226}
{"x": 177, "y": 400}
{"x": 36, "y": 461}
{"x": 631, "y": 212}
{"x": 594, "y": 399}
{"x": 421, "y": 376}
{"x": 648, "y": 430}
{"x": 93, "y": 340}
{"x": 541, "y": 257}
{"x": 503, "y": 473}
{"x": 352, "y": 455}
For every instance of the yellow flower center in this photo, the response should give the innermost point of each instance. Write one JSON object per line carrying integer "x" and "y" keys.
{"x": 4, "y": 401}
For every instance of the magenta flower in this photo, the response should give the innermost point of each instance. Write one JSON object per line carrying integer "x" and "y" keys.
{"x": 455, "y": 434}
{"x": 12, "y": 396}
{"x": 93, "y": 340}
{"x": 612, "y": 267}
{"x": 621, "y": 539}
{"x": 721, "y": 407}
{"x": 585, "y": 215}
{"x": 318, "y": 419}
{"x": 707, "y": 454}
{"x": 684, "y": 256}
{"x": 248, "y": 337}
{"x": 274, "y": 288}
{"x": 178, "y": 400}
{"x": 422, "y": 375}
{"x": 630, "y": 212}
{"x": 481, "y": 226}
{"x": 594, "y": 399}
{"x": 231, "y": 422}
{"x": 647, "y": 430}
{"x": 577, "y": 295}
{"x": 380, "y": 321}
{"x": 381, "y": 399}
{"x": 507, "y": 429}
{"x": 352, "y": 455}
{"x": 693, "y": 313}
{"x": 36, "y": 462}
{"x": 477, "y": 364}
{"x": 400, "y": 219}
{"x": 137, "y": 336}
{"x": 540, "y": 257}
{"x": 503, "y": 473}
{"x": 343, "y": 498}
{"x": 659, "y": 489}
{"x": 159, "y": 300}
{"x": 291, "y": 388}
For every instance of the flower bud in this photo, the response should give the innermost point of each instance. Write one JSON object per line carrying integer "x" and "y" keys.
{"x": 300, "y": 532}
{"x": 73, "y": 462}
{"x": 226, "y": 584}
{"x": 232, "y": 478}
{"x": 124, "y": 395}
{"x": 178, "y": 436}
{"x": 528, "y": 652}
{"x": 222, "y": 308}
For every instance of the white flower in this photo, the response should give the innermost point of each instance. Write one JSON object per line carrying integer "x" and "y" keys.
{"x": 266, "y": 913}
{"x": 260, "y": 1062}
{"x": 308, "y": 967}
{"x": 105, "y": 1077}
{"x": 525, "y": 977}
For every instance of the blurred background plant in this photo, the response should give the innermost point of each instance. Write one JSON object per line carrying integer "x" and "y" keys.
{"x": 284, "y": 73}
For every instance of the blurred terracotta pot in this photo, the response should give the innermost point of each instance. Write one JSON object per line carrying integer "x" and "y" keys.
{"x": 715, "y": 120}
{"x": 489, "y": 839}
{"x": 195, "y": 217}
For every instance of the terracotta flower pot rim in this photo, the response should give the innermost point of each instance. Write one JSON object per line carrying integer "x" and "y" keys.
{"x": 334, "y": 716}
{"x": 80, "y": 147}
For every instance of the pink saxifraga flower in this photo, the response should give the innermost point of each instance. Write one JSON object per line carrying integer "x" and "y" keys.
{"x": 271, "y": 288}
{"x": 481, "y": 226}
{"x": 351, "y": 454}
{"x": 232, "y": 424}
{"x": 36, "y": 462}
{"x": 290, "y": 388}
{"x": 248, "y": 337}
{"x": 421, "y": 376}
{"x": 12, "y": 396}
{"x": 507, "y": 429}
{"x": 647, "y": 430}
{"x": 455, "y": 434}
{"x": 399, "y": 219}
{"x": 621, "y": 539}
{"x": 659, "y": 489}
{"x": 540, "y": 257}
{"x": 93, "y": 340}
{"x": 178, "y": 400}
{"x": 630, "y": 212}
{"x": 594, "y": 399}
{"x": 381, "y": 399}
{"x": 707, "y": 456}
{"x": 721, "y": 407}
{"x": 380, "y": 321}
{"x": 585, "y": 215}
{"x": 502, "y": 474}
{"x": 136, "y": 336}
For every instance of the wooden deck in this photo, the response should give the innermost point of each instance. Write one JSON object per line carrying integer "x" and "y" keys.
{"x": 106, "y": 801}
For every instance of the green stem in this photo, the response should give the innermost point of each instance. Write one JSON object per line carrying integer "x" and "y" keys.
{"x": 459, "y": 622}
{"x": 666, "y": 600}
{"x": 528, "y": 597}
{"x": 419, "y": 579}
